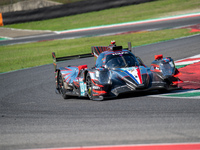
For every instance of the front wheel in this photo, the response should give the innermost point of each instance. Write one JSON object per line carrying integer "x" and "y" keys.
{"x": 89, "y": 85}
{"x": 61, "y": 87}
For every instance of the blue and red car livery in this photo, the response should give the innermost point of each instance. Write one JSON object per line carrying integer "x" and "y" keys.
{"x": 116, "y": 71}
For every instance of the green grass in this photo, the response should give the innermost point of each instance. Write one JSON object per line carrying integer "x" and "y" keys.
{"x": 14, "y": 57}
{"x": 110, "y": 16}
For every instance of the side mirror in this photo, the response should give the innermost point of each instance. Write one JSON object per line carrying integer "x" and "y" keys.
{"x": 140, "y": 61}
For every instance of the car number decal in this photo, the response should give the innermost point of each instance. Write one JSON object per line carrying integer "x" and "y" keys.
{"x": 82, "y": 88}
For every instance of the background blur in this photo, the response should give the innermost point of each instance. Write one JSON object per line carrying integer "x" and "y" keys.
{"x": 19, "y": 5}
{"x": 7, "y": 2}
{"x": 18, "y": 11}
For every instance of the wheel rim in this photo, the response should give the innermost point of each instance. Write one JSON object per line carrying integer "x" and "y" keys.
{"x": 89, "y": 86}
{"x": 61, "y": 84}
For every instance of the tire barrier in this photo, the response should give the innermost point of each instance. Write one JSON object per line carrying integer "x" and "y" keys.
{"x": 64, "y": 10}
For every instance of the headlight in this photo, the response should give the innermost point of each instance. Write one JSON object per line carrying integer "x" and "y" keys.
{"x": 97, "y": 74}
{"x": 171, "y": 64}
{"x": 166, "y": 68}
{"x": 103, "y": 76}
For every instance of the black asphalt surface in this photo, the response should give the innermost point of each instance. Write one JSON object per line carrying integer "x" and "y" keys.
{"x": 146, "y": 26}
{"x": 33, "y": 116}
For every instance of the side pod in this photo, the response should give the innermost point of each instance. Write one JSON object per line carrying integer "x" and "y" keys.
{"x": 57, "y": 70}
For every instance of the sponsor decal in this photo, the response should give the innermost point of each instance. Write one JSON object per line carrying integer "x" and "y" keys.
{"x": 134, "y": 72}
{"x": 96, "y": 87}
{"x": 120, "y": 53}
{"x": 82, "y": 88}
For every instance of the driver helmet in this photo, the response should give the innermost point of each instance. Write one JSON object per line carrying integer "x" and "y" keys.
{"x": 113, "y": 43}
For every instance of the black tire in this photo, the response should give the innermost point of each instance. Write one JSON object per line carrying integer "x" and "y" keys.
{"x": 162, "y": 91}
{"x": 89, "y": 86}
{"x": 61, "y": 87}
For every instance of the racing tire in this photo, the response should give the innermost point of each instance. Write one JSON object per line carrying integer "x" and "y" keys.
{"x": 163, "y": 91}
{"x": 89, "y": 86}
{"x": 62, "y": 88}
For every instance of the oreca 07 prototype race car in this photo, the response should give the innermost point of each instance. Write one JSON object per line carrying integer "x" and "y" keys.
{"x": 116, "y": 71}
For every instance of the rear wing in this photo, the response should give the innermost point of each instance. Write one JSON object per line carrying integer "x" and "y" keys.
{"x": 96, "y": 50}
{"x": 58, "y": 59}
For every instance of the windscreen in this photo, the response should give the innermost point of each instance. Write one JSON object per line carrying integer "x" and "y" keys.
{"x": 120, "y": 60}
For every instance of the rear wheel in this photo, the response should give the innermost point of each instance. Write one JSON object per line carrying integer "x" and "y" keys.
{"x": 62, "y": 88}
{"x": 89, "y": 85}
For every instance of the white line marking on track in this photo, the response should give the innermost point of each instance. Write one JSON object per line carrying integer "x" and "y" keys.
{"x": 33, "y": 36}
{"x": 131, "y": 23}
{"x": 188, "y": 62}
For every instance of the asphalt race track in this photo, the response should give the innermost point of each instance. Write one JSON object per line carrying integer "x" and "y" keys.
{"x": 33, "y": 116}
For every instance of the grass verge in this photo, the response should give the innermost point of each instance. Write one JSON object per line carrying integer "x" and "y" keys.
{"x": 123, "y": 14}
{"x": 14, "y": 57}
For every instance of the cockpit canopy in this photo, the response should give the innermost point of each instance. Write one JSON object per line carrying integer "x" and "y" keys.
{"x": 116, "y": 59}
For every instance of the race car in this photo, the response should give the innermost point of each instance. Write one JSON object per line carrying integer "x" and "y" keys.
{"x": 117, "y": 70}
